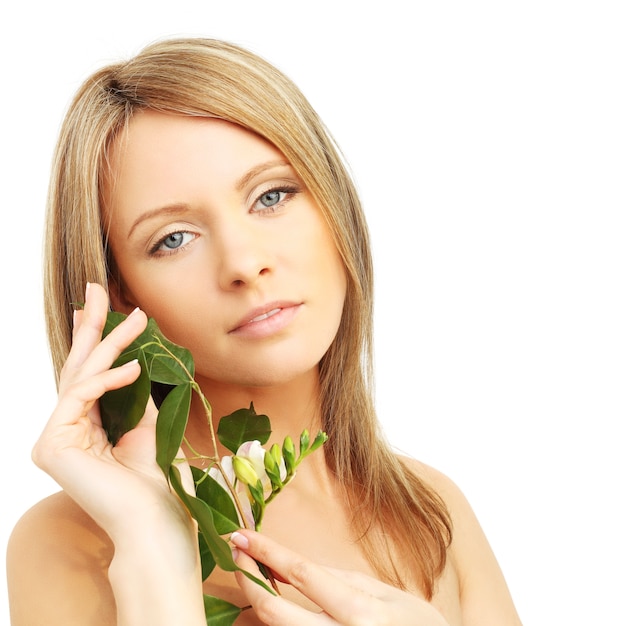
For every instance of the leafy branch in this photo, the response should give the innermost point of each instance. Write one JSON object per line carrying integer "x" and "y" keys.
{"x": 234, "y": 491}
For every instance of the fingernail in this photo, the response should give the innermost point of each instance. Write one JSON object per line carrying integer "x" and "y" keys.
{"x": 235, "y": 554}
{"x": 239, "y": 540}
{"x": 130, "y": 363}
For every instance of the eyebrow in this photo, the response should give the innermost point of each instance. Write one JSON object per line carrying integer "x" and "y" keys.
{"x": 179, "y": 208}
{"x": 170, "y": 209}
{"x": 259, "y": 169}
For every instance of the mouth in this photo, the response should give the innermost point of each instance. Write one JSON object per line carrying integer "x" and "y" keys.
{"x": 267, "y": 319}
{"x": 264, "y": 316}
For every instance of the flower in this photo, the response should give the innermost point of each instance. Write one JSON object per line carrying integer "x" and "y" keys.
{"x": 245, "y": 468}
{"x": 245, "y": 471}
{"x": 255, "y": 453}
{"x": 228, "y": 486}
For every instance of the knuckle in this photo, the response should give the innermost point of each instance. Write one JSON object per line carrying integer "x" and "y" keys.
{"x": 266, "y": 609}
{"x": 300, "y": 574}
{"x": 71, "y": 389}
{"x": 65, "y": 372}
{"x": 35, "y": 454}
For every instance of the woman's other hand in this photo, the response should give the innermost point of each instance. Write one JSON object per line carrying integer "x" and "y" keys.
{"x": 344, "y": 597}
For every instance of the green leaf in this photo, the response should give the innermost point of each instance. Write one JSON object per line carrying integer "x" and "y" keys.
{"x": 161, "y": 361}
{"x": 221, "y": 504}
{"x": 241, "y": 426}
{"x": 171, "y": 424}
{"x": 121, "y": 409}
{"x": 168, "y": 362}
{"x": 219, "y": 612}
{"x": 201, "y": 512}
{"x": 207, "y": 562}
{"x": 113, "y": 319}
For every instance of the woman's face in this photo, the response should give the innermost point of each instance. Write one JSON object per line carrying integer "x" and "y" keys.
{"x": 215, "y": 237}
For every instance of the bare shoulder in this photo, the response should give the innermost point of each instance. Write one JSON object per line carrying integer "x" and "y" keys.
{"x": 485, "y": 597}
{"x": 57, "y": 563}
{"x": 463, "y": 517}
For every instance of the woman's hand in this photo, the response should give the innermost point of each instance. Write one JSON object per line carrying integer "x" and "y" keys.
{"x": 155, "y": 572}
{"x": 73, "y": 447}
{"x": 344, "y": 597}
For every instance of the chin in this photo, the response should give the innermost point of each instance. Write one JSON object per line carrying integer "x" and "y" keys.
{"x": 268, "y": 374}
{"x": 275, "y": 376}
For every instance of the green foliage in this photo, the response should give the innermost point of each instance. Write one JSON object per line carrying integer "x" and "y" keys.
{"x": 241, "y": 426}
{"x": 171, "y": 424}
{"x": 217, "y": 511}
{"x": 121, "y": 409}
{"x": 161, "y": 361}
{"x": 206, "y": 557}
{"x": 219, "y": 612}
{"x": 219, "y": 501}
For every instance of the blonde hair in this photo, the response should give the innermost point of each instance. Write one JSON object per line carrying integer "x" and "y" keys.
{"x": 202, "y": 77}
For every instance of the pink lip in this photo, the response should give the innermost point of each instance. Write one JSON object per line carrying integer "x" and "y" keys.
{"x": 266, "y": 320}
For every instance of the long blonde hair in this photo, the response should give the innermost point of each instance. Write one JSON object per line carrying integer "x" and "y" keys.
{"x": 202, "y": 77}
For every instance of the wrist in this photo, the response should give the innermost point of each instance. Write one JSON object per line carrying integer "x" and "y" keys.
{"x": 157, "y": 583}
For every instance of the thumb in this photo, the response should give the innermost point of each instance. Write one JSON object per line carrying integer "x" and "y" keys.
{"x": 137, "y": 447}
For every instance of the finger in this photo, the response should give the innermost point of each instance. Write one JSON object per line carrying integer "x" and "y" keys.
{"x": 104, "y": 352}
{"x": 272, "y": 609}
{"x": 108, "y": 349}
{"x": 139, "y": 443}
{"x": 76, "y": 320}
{"x": 339, "y": 599}
{"x": 88, "y": 324}
{"x": 70, "y": 424}
{"x": 80, "y": 396}
{"x": 358, "y": 580}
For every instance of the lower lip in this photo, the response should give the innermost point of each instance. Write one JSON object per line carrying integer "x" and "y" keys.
{"x": 269, "y": 326}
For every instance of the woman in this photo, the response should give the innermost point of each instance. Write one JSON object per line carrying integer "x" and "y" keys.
{"x": 196, "y": 185}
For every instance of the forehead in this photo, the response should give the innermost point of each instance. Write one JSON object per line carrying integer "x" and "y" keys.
{"x": 151, "y": 137}
{"x": 159, "y": 154}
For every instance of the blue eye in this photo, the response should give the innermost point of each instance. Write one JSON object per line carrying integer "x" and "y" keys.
{"x": 172, "y": 241}
{"x": 272, "y": 197}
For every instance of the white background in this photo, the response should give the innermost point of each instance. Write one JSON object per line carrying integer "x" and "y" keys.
{"x": 488, "y": 140}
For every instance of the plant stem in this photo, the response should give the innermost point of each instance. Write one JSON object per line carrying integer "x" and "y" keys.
{"x": 208, "y": 410}
{"x": 216, "y": 459}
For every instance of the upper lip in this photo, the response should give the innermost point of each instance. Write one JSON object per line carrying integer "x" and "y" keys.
{"x": 264, "y": 309}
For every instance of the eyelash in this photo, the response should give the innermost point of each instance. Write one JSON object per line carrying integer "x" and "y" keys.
{"x": 155, "y": 251}
{"x": 288, "y": 190}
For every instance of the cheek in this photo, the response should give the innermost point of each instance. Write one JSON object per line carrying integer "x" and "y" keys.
{"x": 328, "y": 274}
{"x": 165, "y": 296}
{"x": 327, "y": 265}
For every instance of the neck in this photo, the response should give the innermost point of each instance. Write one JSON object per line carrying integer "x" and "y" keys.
{"x": 291, "y": 407}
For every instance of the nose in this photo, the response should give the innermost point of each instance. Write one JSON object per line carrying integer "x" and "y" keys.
{"x": 243, "y": 255}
